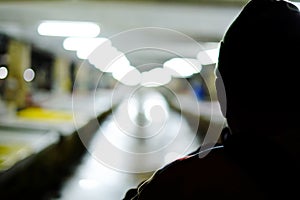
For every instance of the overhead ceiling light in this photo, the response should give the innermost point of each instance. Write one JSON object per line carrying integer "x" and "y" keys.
{"x": 130, "y": 78}
{"x": 119, "y": 62}
{"x": 156, "y": 77}
{"x": 183, "y": 67}
{"x": 76, "y": 43}
{"x": 68, "y": 29}
{"x": 122, "y": 71}
{"x": 83, "y": 45}
{"x": 208, "y": 57}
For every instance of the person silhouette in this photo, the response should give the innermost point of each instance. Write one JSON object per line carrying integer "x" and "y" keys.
{"x": 259, "y": 153}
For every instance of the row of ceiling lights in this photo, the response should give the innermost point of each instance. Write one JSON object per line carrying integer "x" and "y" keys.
{"x": 82, "y": 37}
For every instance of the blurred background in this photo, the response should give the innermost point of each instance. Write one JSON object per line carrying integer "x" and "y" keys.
{"x": 97, "y": 95}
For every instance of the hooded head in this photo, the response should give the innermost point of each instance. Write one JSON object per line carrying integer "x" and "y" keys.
{"x": 258, "y": 63}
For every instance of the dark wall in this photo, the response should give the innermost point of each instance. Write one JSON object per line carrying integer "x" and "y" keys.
{"x": 42, "y": 64}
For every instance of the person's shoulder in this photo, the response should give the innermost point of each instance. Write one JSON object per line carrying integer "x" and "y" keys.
{"x": 194, "y": 167}
{"x": 215, "y": 154}
{"x": 174, "y": 179}
{"x": 183, "y": 178}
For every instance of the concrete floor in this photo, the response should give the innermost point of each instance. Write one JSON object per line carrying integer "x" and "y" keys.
{"x": 138, "y": 138}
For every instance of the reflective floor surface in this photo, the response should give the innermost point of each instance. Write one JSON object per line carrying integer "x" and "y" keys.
{"x": 140, "y": 136}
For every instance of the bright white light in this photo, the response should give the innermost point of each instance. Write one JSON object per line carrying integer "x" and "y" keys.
{"x": 133, "y": 111}
{"x": 156, "y": 77}
{"x": 28, "y": 75}
{"x": 208, "y": 57}
{"x": 68, "y": 29}
{"x": 183, "y": 67}
{"x": 120, "y": 62}
{"x": 3, "y": 72}
{"x": 155, "y": 108}
{"x": 131, "y": 78}
{"x": 83, "y": 46}
{"x": 84, "y": 53}
{"x": 122, "y": 72}
{"x": 107, "y": 58}
{"x": 76, "y": 43}
{"x": 170, "y": 157}
{"x": 88, "y": 184}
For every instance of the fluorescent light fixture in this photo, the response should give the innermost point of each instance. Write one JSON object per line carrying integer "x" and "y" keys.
{"x": 120, "y": 62}
{"x": 156, "y": 77}
{"x": 120, "y": 73}
{"x": 129, "y": 76}
{"x": 84, "y": 53}
{"x": 83, "y": 45}
{"x": 183, "y": 67}
{"x": 107, "y": 58}
{"x": 68, "y": 29}
{"x": 208, "y": 57}
{"x": 77, "y": 43}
